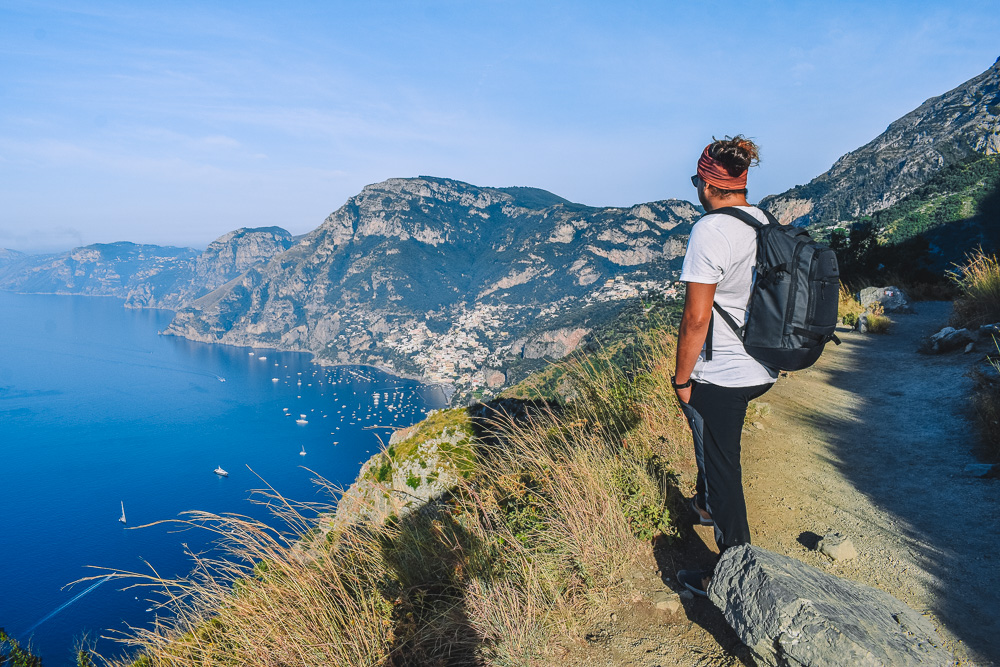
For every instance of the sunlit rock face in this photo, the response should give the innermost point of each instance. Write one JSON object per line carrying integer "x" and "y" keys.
{"x": 439, "y": 278}
{"x": 941, "y": 131}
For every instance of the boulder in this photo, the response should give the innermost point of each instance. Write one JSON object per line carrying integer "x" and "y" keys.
{"x": 892, "y": 299}
{"x": 789, "y": 613}
{"x": 948, "y": 339}
{"x": 837, "y": 547}
{"x": 990, "y": 332}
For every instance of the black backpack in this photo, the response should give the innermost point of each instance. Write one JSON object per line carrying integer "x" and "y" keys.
{"x": 792, "y": 312}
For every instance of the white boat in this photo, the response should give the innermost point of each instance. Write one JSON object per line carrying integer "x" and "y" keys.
{"x": 122, "y": 517}
{"x": 220, "y": 472}
{"x": 301, "y": 421}
{"x": 303, "y": 452}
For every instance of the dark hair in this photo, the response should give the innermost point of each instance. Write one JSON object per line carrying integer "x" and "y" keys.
{"x": 736, "y": 155}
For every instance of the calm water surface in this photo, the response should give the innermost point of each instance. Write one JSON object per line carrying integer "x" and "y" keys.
{"x": 97, "y": 409}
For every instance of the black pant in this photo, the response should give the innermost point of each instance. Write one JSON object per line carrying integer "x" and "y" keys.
{"x": 716, "y": 417}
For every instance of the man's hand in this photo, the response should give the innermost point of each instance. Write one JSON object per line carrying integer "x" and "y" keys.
{"x": 683, "y": 395}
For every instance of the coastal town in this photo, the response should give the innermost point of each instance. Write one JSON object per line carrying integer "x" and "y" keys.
{"x": 470, "y": 357}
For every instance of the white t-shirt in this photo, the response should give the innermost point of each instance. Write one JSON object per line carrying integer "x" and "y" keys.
{"x": 722, "y": 251}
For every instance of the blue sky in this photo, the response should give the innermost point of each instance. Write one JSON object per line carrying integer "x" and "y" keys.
{"x": 175, "y": 122}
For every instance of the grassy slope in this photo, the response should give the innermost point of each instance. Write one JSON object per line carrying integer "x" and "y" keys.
{"x": 558, "y": 499}
{"x": 920, "y": 237}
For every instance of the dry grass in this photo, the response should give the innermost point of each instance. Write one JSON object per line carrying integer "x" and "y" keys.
{"x": 848, "y": 308}
{"x": 877, "y": 321}
{"x": 978, "y": 280}
{"x": 850, "y": 312}
{"x": 561, "y": 504}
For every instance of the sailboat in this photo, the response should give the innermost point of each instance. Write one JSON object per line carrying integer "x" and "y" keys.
{"x": 122, "y": 517}
{"x": 303, "y": 452}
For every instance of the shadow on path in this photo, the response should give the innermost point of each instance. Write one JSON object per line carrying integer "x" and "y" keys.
{"x": 896, "y": 426}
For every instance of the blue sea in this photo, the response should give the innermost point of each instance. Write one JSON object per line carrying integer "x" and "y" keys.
{"x": 98, "y": 410}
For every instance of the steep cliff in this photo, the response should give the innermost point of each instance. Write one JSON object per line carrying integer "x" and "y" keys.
{"x": 439, "y": 278}
{"x": 227, "y": 257}
{"x": 942, "y": 131}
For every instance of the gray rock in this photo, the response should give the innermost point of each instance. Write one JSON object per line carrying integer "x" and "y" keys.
{"x": 789, "y": 613}
{"x": 892, "y": 299}
{"x": 667, "y": 601}
{"x": 946, "y": 340}
{"x": 989, "y": 332}
{"x": 837, "y": 547}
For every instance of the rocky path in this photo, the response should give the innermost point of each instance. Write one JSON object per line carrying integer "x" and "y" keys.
{"x": 871, "y": 443}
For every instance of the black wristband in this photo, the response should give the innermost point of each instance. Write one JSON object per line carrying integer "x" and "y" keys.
{"x": 673, "y": 381}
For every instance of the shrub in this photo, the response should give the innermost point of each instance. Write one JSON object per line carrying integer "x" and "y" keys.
{"x": 978, "y": 280}
{"x": 848, "y": 308}
{"x": 876, "y": 321}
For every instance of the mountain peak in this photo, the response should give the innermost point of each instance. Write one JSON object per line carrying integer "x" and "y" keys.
{"x": 942, "y": 131}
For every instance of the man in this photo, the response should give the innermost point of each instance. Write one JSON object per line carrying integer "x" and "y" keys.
{"x": 719, "y": 268}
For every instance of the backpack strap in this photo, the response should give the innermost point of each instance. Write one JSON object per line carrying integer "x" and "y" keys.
{"x": 742, "y": 215}
{"x": 750, "y": 220}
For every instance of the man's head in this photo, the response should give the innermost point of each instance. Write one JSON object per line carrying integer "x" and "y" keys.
{"x": 722, "y": 172}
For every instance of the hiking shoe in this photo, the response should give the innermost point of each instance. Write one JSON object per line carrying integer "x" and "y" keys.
{"x": 697, "y": 512}
{"x": 691, "y": 580}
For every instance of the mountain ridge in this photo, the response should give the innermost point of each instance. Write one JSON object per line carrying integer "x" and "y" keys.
{"x": 144, "y": 275}
{"x": 441, "y": 279}
{"x": 941, "y": 131}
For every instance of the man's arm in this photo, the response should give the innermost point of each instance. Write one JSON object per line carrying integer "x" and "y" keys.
{"x": 694, "y": 328}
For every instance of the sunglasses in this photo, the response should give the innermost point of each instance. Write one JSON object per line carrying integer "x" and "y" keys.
{"x": 695, "y": 181}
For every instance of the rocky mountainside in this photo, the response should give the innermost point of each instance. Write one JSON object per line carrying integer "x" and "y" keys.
{"x": 8, "y": 256}
{"x": 101, "y": 269}
{"x": 144, "y": 275}
{"x": 444, "y": 280}
{"x": 942, "y": 131}
{"x": 226, "y": 258}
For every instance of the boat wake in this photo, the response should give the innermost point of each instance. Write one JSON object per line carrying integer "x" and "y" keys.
{"x": 66, "y": 604}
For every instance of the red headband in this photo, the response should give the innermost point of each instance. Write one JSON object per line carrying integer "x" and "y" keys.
{"x": 711, "y": 171}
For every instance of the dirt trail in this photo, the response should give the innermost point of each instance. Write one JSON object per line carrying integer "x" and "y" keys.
{"x": 871, "y": 443}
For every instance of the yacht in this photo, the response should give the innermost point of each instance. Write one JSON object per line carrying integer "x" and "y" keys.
{"x": 220, "y": 472}
{"x": 302, "y": 421}
{"x": 303, "y": 452}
